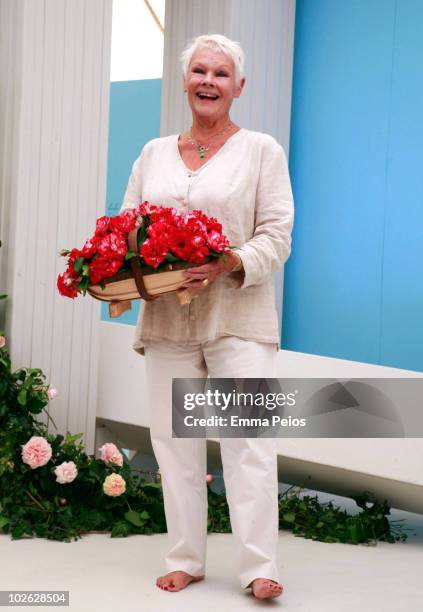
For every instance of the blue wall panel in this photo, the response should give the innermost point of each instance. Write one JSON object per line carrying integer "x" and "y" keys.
{"x": 349, "y": 115}
{"x": 402, "y": 313}
{"x": 134, "y": 120}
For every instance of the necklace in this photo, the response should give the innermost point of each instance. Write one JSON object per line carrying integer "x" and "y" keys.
{"x": 202, "y": 148}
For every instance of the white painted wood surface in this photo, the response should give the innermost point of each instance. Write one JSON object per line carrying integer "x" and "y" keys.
{"x": 390, "y": 466}
{"x": 53, "y": 188}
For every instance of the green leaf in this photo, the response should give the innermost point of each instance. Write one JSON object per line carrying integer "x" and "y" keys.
{"x": 4, "y": 521}
{"x": 78, "y": 264}
{"x": 330, "y": 539}
{"x": 141, "y": 235}
{"x": 171, "y": 257}
{"x": 145, "y": 515}
{"x": 120, "y": 529}
{"x": 134, "y": 518}
{"x": 35, "y": 405}
{"x": 289, "y": 517}
{"x": 70, "y": 439}
{"x": 129, "y": 255}
{"x": 85, "y": 270}
{"x": 83, "y": 283}
{"x": 18, "y": 532}
{"x": 22, "y": 397}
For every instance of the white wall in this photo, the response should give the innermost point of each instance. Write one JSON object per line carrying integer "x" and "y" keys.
{"x": 54, "y": 66}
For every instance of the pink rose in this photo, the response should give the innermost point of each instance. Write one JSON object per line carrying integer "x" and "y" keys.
{"x": 36, "y": 452}
{"x": 114, "y": 485}
{"x": 66, "y": 472}
{"x": 52, "y": 393}
{"x": 110, "y": 454}
{"x": 2, "y": 341}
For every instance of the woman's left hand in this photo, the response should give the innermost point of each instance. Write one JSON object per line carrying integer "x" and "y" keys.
{"x": 201, "y": 276}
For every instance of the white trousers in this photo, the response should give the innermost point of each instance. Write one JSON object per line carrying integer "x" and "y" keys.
{"x": 249, "y": 464}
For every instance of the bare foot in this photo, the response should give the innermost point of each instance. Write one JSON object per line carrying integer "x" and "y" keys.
{"x": 263, "y": 588}
{"x": 175, "y": 581}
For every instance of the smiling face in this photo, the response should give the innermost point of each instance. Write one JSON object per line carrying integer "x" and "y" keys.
{"x": 210, "y": 84}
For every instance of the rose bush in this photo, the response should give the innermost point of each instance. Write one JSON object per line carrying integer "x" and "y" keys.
{"x": 49, "y": 486}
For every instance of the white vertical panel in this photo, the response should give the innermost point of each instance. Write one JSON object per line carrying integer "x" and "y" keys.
{"x": 265, "y": 29}
{"x": 10, "y": 70}
{"x": 58, "y": 185}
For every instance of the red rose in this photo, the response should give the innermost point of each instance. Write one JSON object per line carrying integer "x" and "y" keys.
{"x": 195, "y": 226}
{"x": 166, "y": 215}
{"x": 198, "y": 255}
{"x": 153, "y": 251}
{"x": 213, "y": 225}
{"x": 102, "y": 226}
{"x": 145, "y": 208}
{"x": 217, "y": 242}
{"x": 74, "y": 254}
{"x": 103, "y": 267}
{"x": 67, "y": 284}
{"x": 112, "y": 245}
{"x": 180, "y": 243}
{"x": 124, "y": 222}
{"x": 160, "y": 231}
{"x": 198, "y": 241}
{"x": 90, "y": 247}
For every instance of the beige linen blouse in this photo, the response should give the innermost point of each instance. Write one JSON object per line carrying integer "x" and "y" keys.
{"x": 246, "y": 186}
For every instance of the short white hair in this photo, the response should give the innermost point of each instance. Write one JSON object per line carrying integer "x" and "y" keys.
{"x": 220, "y": 43}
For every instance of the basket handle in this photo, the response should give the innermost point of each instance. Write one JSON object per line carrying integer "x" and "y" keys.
{"x": 136, "y": 267}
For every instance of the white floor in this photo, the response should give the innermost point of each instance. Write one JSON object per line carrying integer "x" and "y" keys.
{"x": 114, "y": 574}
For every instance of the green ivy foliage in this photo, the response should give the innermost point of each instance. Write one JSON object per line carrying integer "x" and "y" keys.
{"x": 33, "y": 503}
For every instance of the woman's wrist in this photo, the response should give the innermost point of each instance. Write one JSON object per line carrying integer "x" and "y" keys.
{"x": 238, "y": 262}
{"x": 231, "y": 262}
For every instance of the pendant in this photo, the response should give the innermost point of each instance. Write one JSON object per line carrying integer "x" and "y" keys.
{"x": 202, "y": 151}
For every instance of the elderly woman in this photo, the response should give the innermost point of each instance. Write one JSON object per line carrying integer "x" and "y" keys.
{"x": 231, "y": 328}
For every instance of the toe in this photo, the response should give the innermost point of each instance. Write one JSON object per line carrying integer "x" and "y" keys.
{"x": 265, "y": 588}
{"x": 174, "y": 586}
